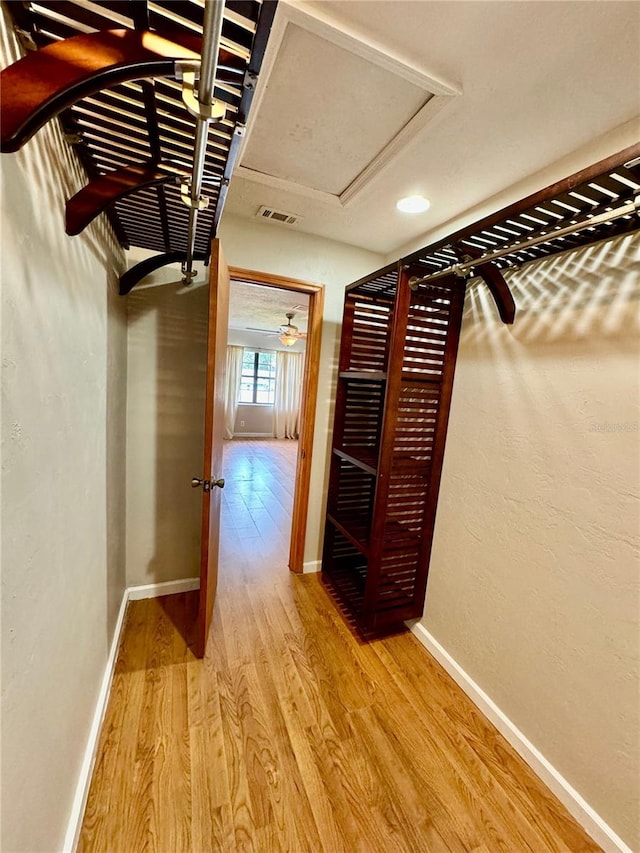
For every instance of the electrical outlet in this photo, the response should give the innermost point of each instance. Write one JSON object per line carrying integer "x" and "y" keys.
{"x": 241, "y": 423}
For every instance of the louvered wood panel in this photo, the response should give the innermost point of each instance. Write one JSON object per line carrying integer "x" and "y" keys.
{"x": 368, "y": 315}
{"x": 400, "y": 591}
{"x": 397, "y": 587}
{"x": 370, "y": 333}
{"x": 427, "y": 328}
{"x": 388, "y": 442}
{"x": 348, "y": 571}
{"x": 418, "y": 409}
{"x": 352, "y": 504}
{"x": 362, "y": 417}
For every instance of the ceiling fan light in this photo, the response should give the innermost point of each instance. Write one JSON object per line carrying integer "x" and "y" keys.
{"x": 287, "y": 339}
{"x": 288, "y": 332}
{"x": 413, "y": 204}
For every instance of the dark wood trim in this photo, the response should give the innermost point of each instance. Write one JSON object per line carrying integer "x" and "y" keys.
{"x": 132, "y": 276}
{"x": 458, "y": 291}
{"x": 98, "y": 194}
{"x": 315, "y": 292}
{"x": 164, "y": 216}
{"x": 495, "y": 281}
{"x": 258, "y": 48}
{"x": 149, "y": 98}
{"x": 500, "y": 291}
{"x": 47, "y": 81}
{"x": 139, "y": 11}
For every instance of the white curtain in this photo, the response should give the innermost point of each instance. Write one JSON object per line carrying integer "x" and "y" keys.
{"x": 232, "y": 388}
{"x": 286, "y": 408}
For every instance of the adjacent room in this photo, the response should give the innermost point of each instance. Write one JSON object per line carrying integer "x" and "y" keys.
{"x": 263, "y": 410}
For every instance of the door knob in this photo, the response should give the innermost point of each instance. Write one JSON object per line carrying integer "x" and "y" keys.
{"x": 206, "y": 484}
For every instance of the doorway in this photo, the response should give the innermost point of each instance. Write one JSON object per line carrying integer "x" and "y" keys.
{"x": 308, "y": 299}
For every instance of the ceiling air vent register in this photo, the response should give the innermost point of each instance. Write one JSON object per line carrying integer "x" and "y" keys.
{"x": 278, "y": 216}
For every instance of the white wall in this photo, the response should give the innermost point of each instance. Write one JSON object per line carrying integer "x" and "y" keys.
{"x": 533, "y": 586}
{"x": 63, "y": 382}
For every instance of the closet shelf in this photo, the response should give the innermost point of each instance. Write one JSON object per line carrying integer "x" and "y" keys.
{"x": 364, "y": 375}
{"x": 365, "y": 458}
{"x": 356, "y": 530}
{"x": 421, "y": 378}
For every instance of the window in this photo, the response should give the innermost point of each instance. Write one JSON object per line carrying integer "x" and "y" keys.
{"x": 258, "y": 380}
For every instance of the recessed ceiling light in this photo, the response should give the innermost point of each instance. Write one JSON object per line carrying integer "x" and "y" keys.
{"x": 413, "y": 204}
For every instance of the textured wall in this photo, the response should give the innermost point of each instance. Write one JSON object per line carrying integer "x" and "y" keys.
{"x": 63, "y": 385}
{"x": 533, "y": 585}
{"x": 167, "y": 347}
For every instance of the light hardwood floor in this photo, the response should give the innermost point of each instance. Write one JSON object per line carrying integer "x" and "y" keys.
{"x": 292, "y": 734}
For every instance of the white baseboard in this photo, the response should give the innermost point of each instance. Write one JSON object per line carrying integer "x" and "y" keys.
{"x": 155, "y": 590}
{"x": 132, "y": 593}
{"x": 238, "y": 436}
{"x": 84, "y": 780}
{"x": 587, "y": 817}
{"x": 311, "y": 566}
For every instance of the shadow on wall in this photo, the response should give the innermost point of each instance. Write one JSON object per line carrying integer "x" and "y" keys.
{"x": 533, "y": 578}
{"x": 167, "y": 373}
{"x": 53, "y": 174}
{"x": 577, "y": 311}
{"x": 574, "y": 296}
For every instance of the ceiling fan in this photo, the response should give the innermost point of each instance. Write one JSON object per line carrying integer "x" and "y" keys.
{"x": 287, "y": 334}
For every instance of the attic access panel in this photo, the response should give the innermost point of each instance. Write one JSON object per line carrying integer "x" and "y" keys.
{"x": 146, "y": 120}
{"x": 322, "y": 122}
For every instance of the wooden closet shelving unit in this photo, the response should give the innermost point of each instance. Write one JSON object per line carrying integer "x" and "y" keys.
{"x": 397, "y": 360}
{"x": 400, "y": 336}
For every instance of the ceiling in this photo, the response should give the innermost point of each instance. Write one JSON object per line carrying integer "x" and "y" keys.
{"x": 255, "y": 306}
{"x": 357, "y": 104}
{"x": 360, "y": 103}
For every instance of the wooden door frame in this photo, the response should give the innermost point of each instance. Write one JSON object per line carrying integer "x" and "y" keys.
{"x": 315, "y": 292}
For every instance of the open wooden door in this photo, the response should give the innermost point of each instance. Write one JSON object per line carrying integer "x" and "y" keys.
{"x": 212, "y": 482}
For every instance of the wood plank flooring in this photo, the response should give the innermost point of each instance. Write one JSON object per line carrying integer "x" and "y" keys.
{"x": 291, "y": 734}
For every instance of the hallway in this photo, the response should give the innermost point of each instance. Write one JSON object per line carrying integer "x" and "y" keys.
{"x": 292, "y": 734}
